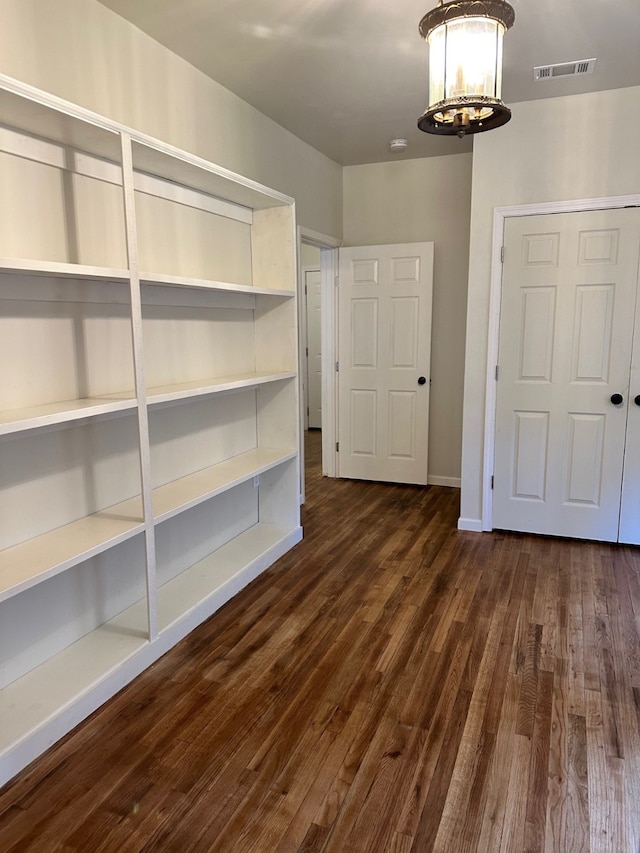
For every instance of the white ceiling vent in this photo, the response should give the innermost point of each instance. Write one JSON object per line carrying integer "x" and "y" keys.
{"x": 564, "y": 69}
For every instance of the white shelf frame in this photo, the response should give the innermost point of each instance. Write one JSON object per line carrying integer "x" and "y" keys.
{"x": 131, "y": 237}
{"x": 86, "y": 673}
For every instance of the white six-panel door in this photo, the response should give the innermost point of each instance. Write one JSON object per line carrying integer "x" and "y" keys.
{"x": 566, "y": 335}
{"x": 630, "y": 506}
{"x": 384, "y": 342}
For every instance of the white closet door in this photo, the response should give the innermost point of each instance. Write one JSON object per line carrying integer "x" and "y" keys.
{"x": 566, "y": 330}
{"x": 630, "y": 507}
{"x": 384, "y": 348}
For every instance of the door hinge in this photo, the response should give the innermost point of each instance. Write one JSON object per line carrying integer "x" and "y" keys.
{"x": 492, "y": 481}
{"x": 497, "y": 371}
{"x": 305, "y": 290}
{"x": 337, "y": 446}
{"x": 337, "y": 367}
{"x": 337, "y": 281}
{"x": 501, "y": 254}
{"x": 307, "y": 349}
{"x": 307, "y": 411}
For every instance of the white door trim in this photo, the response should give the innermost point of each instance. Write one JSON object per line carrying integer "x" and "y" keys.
{"x": 495, "y": 294}
{"x": 304, "y": 343}
{"x": 329, "y": 344}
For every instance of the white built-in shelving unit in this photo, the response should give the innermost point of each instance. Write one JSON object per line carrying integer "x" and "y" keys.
{"x": 149, "y": 462}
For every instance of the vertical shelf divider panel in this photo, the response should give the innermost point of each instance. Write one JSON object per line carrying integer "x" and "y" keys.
{"x": 141, "y": 393}
{"x": 277, "y": 404}
{"x": 216, "y": 500}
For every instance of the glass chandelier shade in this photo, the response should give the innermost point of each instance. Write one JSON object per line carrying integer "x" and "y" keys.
{"x": 465, "y": 66}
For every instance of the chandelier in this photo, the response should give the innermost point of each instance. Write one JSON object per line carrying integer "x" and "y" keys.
{"x": 465, "y": 66}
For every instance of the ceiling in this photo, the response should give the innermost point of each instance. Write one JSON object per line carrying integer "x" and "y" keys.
{"x": 347, "y": 76}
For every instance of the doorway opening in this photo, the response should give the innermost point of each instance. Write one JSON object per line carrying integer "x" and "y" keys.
{"x": 317, "y": 267}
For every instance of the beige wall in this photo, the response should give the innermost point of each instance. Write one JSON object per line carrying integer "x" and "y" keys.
{"x": 416, "y": 200}
{"x": 81, "y": 51}
{"x": 559, "y": 149}
{"x": 309, "y": 256}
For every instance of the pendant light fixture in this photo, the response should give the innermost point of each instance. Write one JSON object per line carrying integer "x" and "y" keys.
{"x": 465, "y": 66}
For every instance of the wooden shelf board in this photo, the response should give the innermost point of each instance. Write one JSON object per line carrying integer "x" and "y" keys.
{"x": 205, "y": 284}
{"x": 223, "y": 573}
{"x": 56, "y": 120}
{"x": 172, "y": 164}
{"x": 29, "y": 563}
{"x": 62, "y": 270}
{"x": 179, "y": 495}
{"x": 47, "y": 414}
{"x": 217, "y": 385}
{"x": 33, "y": 700}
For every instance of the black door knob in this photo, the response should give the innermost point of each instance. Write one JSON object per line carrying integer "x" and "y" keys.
{"x": 421, "y": 380}
{"x": 637, "y": 400}
{"x": 616, "y": 399}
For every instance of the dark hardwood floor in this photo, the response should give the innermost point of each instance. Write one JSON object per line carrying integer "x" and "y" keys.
{"x": 392, "y": 685}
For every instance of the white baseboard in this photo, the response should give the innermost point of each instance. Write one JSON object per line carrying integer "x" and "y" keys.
{"x": 452, "y": 482}
{"x": 473, "y": 524}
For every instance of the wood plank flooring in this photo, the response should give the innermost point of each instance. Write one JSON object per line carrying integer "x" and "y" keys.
{"x": 392, "y": 685}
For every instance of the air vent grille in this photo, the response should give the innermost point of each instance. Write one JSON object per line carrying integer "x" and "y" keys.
{"x": 564, "y": 69}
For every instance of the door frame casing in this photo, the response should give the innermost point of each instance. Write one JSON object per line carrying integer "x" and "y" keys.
{"x": 304, "y": 342}
{"x": 495, "y": 299}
